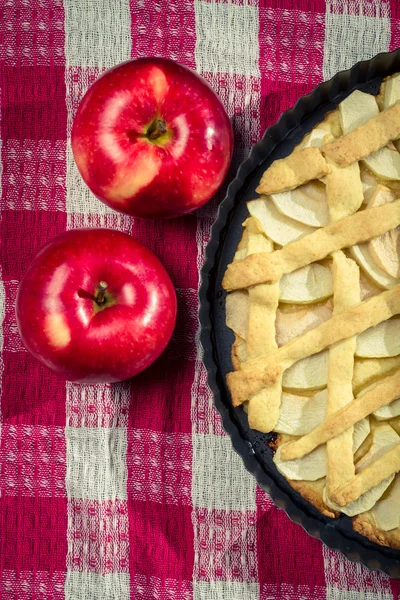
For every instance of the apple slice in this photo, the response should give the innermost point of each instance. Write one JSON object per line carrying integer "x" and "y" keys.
{"x": 330, "y": 125}
{"x": 385, "y": 248}
{"x": 310, "y": 373}
{"x": 368, "y": 182}
{"x": 363, "y": 257}
{"x": 240, "y": 254}
{"x": 309, "y": 284}
{"x": 386, "y": 511}
{"x": 307, "y": 204}
{"x": 361, "y": 432}
{"x": 314, "y": 138}
{"x": 237, "y": 312}
{"x": 392, "y": 91}
{"x": 301, "y": 414}
{"x": 308, "y": 468}
{"x": 239, "y": 352}
{"x": 381, "y": 341}
{"x": 280, "y": 229}
{"x": 391, "y": 96}
{"x": 313, "y": 466}
{"x": 370, "y": 370}
{"x": 367, "y": 287}
{"x": 384, "y": 163}
{"x": 357, "y": 108}
{"x": 390, "y": 411}
{"x": 384, "y": 438}
{"x": 292, "y": 324}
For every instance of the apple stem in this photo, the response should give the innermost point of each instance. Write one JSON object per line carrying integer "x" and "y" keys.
{"x": 100, "y": 296}
{"x": 157, "y": 128}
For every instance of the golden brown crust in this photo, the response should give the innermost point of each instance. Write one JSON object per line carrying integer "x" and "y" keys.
{"x": 294, "y": 170}
{"x": 236, "y": 361}
{"x": 243, "y": 240}
{"x": 339, "y": 450}
{"x": 312, "y": 491}
{"x": 371, "y": 370}
{"x": 344, "y": 190}
{"x": 364, "y": 524}
{"x": 263, "y": 371}
{"x": 362, "y": 406}
{"x": 259, "y": 365}
{"x": 365, "y": 139}
{"x": 354, "y": 229}
{"x": 263, "y": 304}
{"x": 376, "y": 472}
{"x": 263, "y": 408}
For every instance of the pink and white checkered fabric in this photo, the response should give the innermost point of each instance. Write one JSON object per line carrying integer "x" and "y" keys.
{"x": 133, "y": 490}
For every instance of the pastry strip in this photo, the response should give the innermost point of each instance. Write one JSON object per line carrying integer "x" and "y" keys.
{"x": 365, "y": 139}
{"x": 379, "y": 470}
{"x": 264, "y": 370}
{"x": 263, "y": 408}
{"x": 380, "y": 395}
{"x": 354, "y": 229}
{"x": 339, "y": 450}
{"x": 294, "y": 170}
{"x": 344, "y": 190}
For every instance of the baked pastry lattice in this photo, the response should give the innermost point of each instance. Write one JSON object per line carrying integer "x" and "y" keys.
{"x": 314, "y": 302}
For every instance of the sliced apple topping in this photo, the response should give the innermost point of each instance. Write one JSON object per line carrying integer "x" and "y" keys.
{"x": 390, "y": 411}
{"x": 309, "y": 284}
{"x": 237, "y": 312}
{"x": 239, "y": 352}
{"x": 291, "y": 324}
{"x": 384, "y": 163}
{"x": 384, "y": 438}
{"x": 370, "y": 370}
{"x": 313, "y": 466}
{"x": 363, "y": 257}
{"x": 314, "y": 138}
{"x": 310, "y": 373}
{"x": 301, "y": 414}
{"x": 279, "y": 228}
{"x": 386, "y": 512}
{"x": 392, "y": 91}
{"x": 392, "y": 96}
{"x": 367, "y": 287}
{"x": 330, "y": 125}
{"x": 381, "y": 341}
{"x": 368, "y": 182}
{"x": 239, "y": 254}
{"x": 385, "y": 248}
{"x": 307, "y": 468}
{"x": 306, "y": 204}
{"x": 357, "y": 108}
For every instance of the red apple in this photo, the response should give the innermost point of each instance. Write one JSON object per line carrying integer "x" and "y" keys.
{"x": 151, "y": 139}
{"x": 95, "y": 306}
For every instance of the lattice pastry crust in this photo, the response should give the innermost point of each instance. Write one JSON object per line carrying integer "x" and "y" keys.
{"x": 314, "y": 302}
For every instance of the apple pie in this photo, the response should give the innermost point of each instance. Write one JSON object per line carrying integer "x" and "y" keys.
{"x": 314, "y": 303}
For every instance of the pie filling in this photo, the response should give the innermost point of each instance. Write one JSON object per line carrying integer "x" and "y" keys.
{"x": 314, "y": 302}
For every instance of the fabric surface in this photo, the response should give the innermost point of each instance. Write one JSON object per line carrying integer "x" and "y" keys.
{"x": 133, "y": 490}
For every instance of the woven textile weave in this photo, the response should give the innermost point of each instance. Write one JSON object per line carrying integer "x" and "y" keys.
{"x": 133, "y": 490}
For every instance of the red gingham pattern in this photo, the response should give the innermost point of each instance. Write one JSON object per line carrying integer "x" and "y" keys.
{"x": 133, "y": 490}
{"x": 98, "y": 536}
{"x": 33, "y": 461}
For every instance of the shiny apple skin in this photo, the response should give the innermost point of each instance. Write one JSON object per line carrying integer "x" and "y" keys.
{"x": 133, "y": 175}
{"x": 62, "y": 325}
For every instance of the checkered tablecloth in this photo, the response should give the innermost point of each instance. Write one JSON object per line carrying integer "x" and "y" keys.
{"x": 133, "y": 490}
